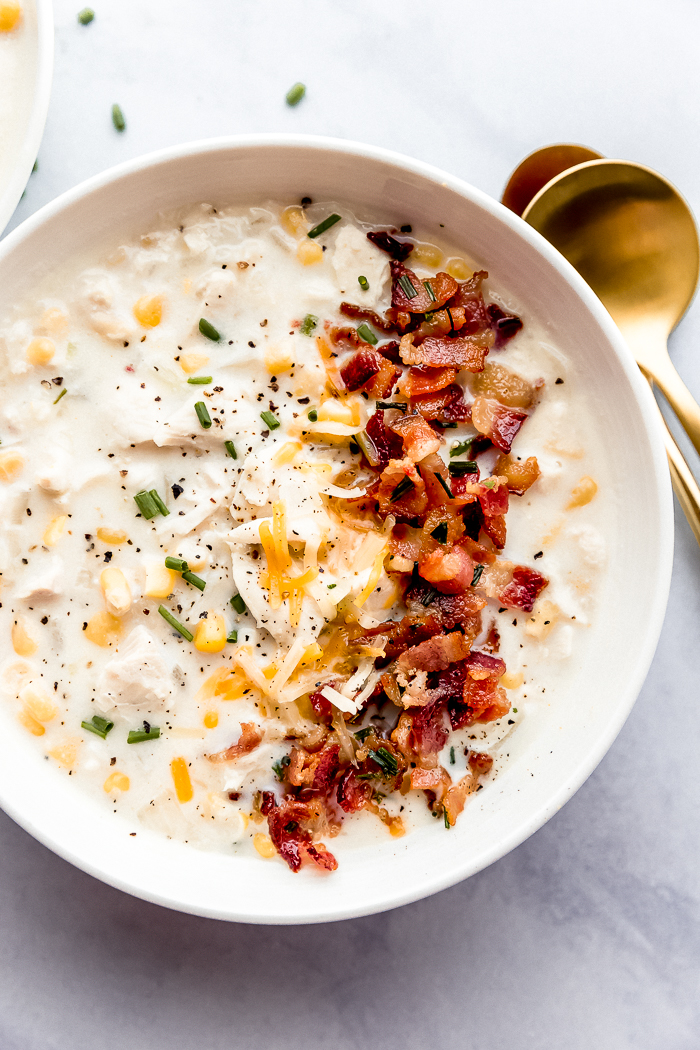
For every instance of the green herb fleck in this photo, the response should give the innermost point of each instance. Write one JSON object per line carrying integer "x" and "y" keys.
{"x": 199, "y": 380}
{"x": 203, "y": 415}
{"x": 167, "y": 615}
{"x": 429, "y": 596}
{"x": 364, "y": 283}
{"x": 466, "y": 466}
{"x": 146, "y": 504}
{"x": 149, "y": 732}
{"x": 62, "y": 394}
{"x": 238, "y": 604}
{"x": 208, "y": 330}
{"x": 178, "y": 564}
{"x": 118, "y": 118}
{"x": 270, "y": 420}
{"x": 477, "y": 575}
{"x": 231, "y": 449}
{"x": 401, "y": 405}
{"x": 232, "y": 636}
{"x": 452, "y": 756}
{"x": 458, "y": 447}
{"x": 98, "y": 725}
{"x": 308, "y": 324}
{"x": 323, "y": 226}
{"x": 404, "y": 486}
{"x": 447, "y": 819}
{"x": 86, "y": 16}
{"x": 407, "y": 286}
{"x": 160, "y": 506}
{"x": 312, "y": 415}
{"x": 489, "y": 483}
{"x": 444, "y": 484}
{"x": 440, "y": 532}
{"x": 196, "y": 581}
{"x": 331, "y": 586}
{"x": 295, "y": 94}
{"x": 366, "y": 333}
{"x": 386, "y": 761}
{"x": 429, "y": 289}
{"x": 278, "y": 768}
{"x": 362, "y": 734}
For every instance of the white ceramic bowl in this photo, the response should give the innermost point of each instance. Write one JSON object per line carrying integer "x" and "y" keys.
{"x": 37, "y": 25}
{"x": 553, "y": 752}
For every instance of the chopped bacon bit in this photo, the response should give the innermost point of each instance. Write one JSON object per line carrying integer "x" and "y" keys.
{"x": 435, "y": 654}
{"x": 410, "y": 505}
{"x": 443, "y": 287}
{"x": 477, "y": 552}
{"x": 460, "y": 351}
{"x": 424, "y": 380}
{"x": 353, "y": 794}
{"x": 449, "y": 571}
{"x": 450, "y": 610}
{"x": 469, "y": 296}
{"x": 493, "y": 496}
{"x": 481, "y": 701}
{"x": 435, "y": 780}
{"x": 524, "y": 589}
{"x": 406, "y": 542}
{"x": 402, "y": 634}
{"x": 384, "y": 381}
{"x": 446, "y": 405}
{"x": 398, "y": 250}
{"x": 480, "y": 666}
{"x": 429, "y": 732}
{"x": 519, "y": 475}
{"x": 480, "y": 762}
{"x": 250, "y": 737}
{"x": 360, "y": 313}
{"x": 361, "y": 367}
{"x": 442, "y": 322}
{"x": 505, "y": 386}
{"x": 315, "y": 771}
{"x": 347, "y": 335}
{"x": 387, "y": 444}
{"x": 430, "y": 468}
{"x": 322, "y": 707}
{"x": 390, "y": 351}
{"x": 419, "y": 439}
{"x": 504, "y": 325}
{"x": 498, "y": 423}
{"x": 290, "y": 839}
{"x": 496, "y": 530}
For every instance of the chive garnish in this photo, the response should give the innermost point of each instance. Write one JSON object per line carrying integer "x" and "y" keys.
{"x": 429, "y": 596}
{"x": 386, "y": 761}
{"x": 452, "y": 756}
{"x": 160, "y": 506}
{"x": 62, "y": 394}
{"x": 199, "y": 380}
{"x": 196, "y": 581}
{"x": 362, "y": 734}
{"x": 175, "y": 624}
{"x": 444, "y": 484}
{"x": 458, "y": 447}
{"x": 278, "y": 768}
{"x": 428, "y": 287}
{"x": 178, "y": 564}
{"x": 489, "y": 483}
{"x": 331, "y": 586}
{"x": 312, "y": 415}
{"x": 407, "y": 286}
{"x": 402, "y": 405}
{"x": 146, "y": 504}
{"x": 118, "y": 117}
{"x": 467, "y": 466}
{"x": 208, "y": 330}
{"x": 366, "y": 333}
{"x": 98, "y": 725}
{"x": 232, "y": 636}
{"x": 231, "y": 449}
{"x": 323, "y": 226}
{"x": 149, "y": 732}
{"x": 270, "y": 420}
{"x": 363, "y": 283}
{"x": 447, "y": 819}
{"x": 295, "y": 94}
{"x": 86, "y": 16}
{"x": 308, "y": 324}
{"x": 203, "y": 414}
{"x": 238, "y": 603}
{"x": 440, "y": 532}
{"x": 404, "y": 486}
{"x": 477, "y": 575}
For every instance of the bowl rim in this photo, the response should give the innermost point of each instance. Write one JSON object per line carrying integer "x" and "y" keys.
{"x": 425, "y": 885}
{"x": 34, "y": 132}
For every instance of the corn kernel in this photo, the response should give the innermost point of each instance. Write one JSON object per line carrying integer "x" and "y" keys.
{"x": 54, "y": 530}
{"x": 542, "y": 621}
{"x": 181, "y": 780}
{"x": 210, "y": 634}
{"x": 54, "y": 320}
{"x": 112, "y": 536}
{"x": 511, "y": 679}
{"x": 309, "y": 252}
{"x": 104, "y": 629}
{"x": 211, "y": 719}
{"x": 190, "y": 363}
{"x": 116, "y": 781}
{"x": 10, "y": 12}
{"x": 160, "y": 582}
{"x": 278, "y": 361}
{"x": 27, "y": 719}
{"x": 148, "y": 311}
{"x": 11, "y": 464}
{"x": 458, "y": 269}
{"x": 22, "y": 641}
{"x": 427, "y": 254}
{"x": 40, "y": 351}
{"x": 38, "y": 703}
{"x": 294, "y": 220}
{"x": 115, "y": 590}
{"x": 286, "y": 453}
{"x": 334, "y": 411}
{"x": 245, "y": 818}
{"x": 263, "y": 844}
{"x": 66, "y": 753}
{"x": 582, "y": 493}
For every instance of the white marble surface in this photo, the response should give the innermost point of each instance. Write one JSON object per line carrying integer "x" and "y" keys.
{"x": 585, "y": 936}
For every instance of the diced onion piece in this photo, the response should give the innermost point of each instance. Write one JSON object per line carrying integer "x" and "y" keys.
{"x": 116, "y": 590}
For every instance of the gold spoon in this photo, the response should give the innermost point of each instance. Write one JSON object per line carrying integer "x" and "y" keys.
{"x": 633, "y": 238}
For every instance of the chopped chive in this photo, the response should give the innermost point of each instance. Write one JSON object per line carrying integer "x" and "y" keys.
{"x": 178, "y": 564}
{"x": 444, "y": 484}
{"x": 199, "y": 380}
{"x": 407, "y": 285}
{"x": 443, "y": 426}
{"x": 362, "y": 734}
{"x": 429, "y": 289}
{"x": 331, "y": 586}
{"x": 401, "y": 489}
{"x": 175, "y": 624}
{"x": 208, "y": 330}
{"x": 203, "y": 414}
{"x": 312, "y": 415}
{"x": 62, "y": 394}
{"x": 146, "y": 504}
{"x": 452, "y": 756}
{"x": 270, "y": 420}
{"x": 467, "y": 466}
{"x": 386, "y": 761}
{"x": 98, "y": 725}
{"x": 366, "y": 333}
{"x": 118, "y": 118}
{"x": 323, "y": 226}
{"x": 458, "y": 447}
{"x": 447, "y": 819}
{"x": 489, "y": 483}
{"x": 440, "y": 532}
{"x": 231, "y": 449}
{"x": 429, "y": 596}
{"x": 86, "y": 16}
{"x": 308, "y": 324}
{"x": 401, "y": 405}
{"x": 238, "y": 604}
{"x": 363, "y": 283}
{"x": 196, "y": 581}
{"x": 477, "y": 575}
{"x": 149, "y": 732}
{"x": 160, "y": 506}
{"x": 232, "y": 636}
{"x": 295, "y": 94}
{"x": 278, "y": 769}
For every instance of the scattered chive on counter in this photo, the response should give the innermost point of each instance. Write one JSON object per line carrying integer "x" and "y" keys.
{"x": 118, "y": 118}
{"x": 203, "y": 414}
{"x": 325, "y": 225}
{"x": 271, "y": 421}
{"x": 208, "y": 330}
{"x": 98, "y": 725}
{"x": 308, "y": 324}
{"x": 363, "y": 283}
{"x": 231, "y": 449}
{"x": 238, "y": 603}
{"x": 86, "y": 16}
{"x": 149, "y": 732}
{"x": 366, "y": 333}
{"x": 175, "y": 624}
{"x": 295, "y": 94}
{"x": 199, "y": 380}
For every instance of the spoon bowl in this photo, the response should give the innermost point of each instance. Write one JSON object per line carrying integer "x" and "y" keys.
{"x": 541, "y": 167}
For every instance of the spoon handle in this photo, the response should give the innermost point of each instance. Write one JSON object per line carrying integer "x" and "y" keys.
{"x": 677, "y": 394}
{"x": 684, "y": 484}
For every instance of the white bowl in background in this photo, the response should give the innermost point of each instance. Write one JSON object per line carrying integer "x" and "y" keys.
{"x": 553, "y": 752}
{"x": 22, "y": 148}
